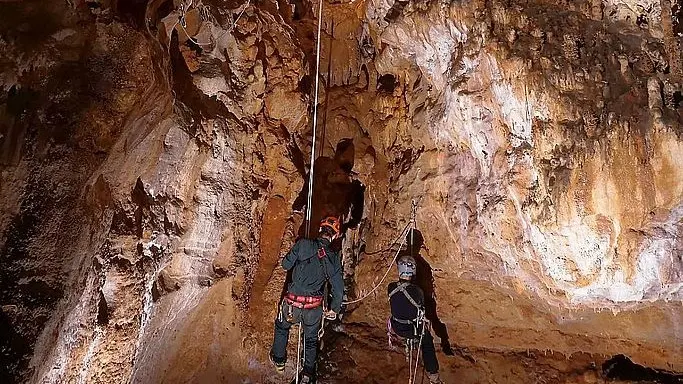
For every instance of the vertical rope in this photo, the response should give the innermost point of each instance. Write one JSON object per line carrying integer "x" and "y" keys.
{"x": 298, "y": 355}
{"x": 420, "y": 314}
{"x": 413, "y": 220}
{"x": 410, "y": 363}
{"x": 315, "y": 124}
{"x": 303, "y": 337}
{"x": 327, "y": 92}
{"x": 413, "y": 373}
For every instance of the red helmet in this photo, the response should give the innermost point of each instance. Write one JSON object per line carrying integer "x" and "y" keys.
{"x": 331, "y": 222}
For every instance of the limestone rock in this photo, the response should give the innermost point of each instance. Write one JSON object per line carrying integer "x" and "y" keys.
{"x": 153, "y": 174}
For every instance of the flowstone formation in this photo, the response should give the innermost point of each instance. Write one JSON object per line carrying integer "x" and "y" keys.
{"x": 155, "y": 154}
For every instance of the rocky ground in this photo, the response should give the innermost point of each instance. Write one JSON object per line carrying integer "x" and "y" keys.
{"x": 155, "y": 154}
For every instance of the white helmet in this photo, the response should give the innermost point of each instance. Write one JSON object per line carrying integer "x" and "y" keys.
{"x": 407, "y": 267}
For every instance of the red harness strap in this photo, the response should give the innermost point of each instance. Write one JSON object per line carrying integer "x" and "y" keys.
{"x": 305, "y": 302}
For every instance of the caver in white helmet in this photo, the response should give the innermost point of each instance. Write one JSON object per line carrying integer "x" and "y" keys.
{"x": 407, "y": 267}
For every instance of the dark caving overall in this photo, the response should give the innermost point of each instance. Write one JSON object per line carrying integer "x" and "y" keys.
{"x": 336, "y": 192}
{"x": 407, "y": 319}
{"x": 313, "y": 264}
{"x": 425, "y": 280}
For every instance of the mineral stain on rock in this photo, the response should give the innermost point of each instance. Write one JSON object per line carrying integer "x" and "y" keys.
{"x": 154, "y": 160}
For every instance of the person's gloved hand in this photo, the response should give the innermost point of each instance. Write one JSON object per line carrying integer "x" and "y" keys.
{"x": 330, "y": 315}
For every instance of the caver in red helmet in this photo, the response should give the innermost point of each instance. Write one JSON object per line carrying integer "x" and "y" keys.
{"x": 332, "y": 223}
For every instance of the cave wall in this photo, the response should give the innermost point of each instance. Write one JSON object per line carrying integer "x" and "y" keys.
{"x": 151, "y": 169}
{"x": 68, "y": 87}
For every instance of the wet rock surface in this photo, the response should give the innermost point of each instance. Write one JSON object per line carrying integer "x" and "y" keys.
{"x": 155, "y": 155}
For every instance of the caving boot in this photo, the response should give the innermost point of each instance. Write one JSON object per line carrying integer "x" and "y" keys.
{"x": 305, "y": 378}
{"x": 434, "y": 378}
{"x": 279, "y": 366}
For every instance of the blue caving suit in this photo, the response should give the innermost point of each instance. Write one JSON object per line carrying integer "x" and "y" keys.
{"x": 309, "y": 276}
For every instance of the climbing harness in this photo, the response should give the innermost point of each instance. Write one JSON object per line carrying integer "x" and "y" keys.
{"x": 308, "y": 302}
{"x": 315, "y": 124}
{"x": 303, "y": 302}
{"x": 419, "y": 325}
{"x": 289, "y": 317}
{"x": 410, "y": 226}
{"x": 401, "y": 287}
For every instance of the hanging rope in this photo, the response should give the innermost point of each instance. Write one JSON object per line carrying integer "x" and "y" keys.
{"x": 413, "y": 373}
{"x": 310, "y": 175}
{"x": 298, "y": 353}
{"x": 410, "y": 226}
{"x": 398, "y": 251}
{"x": 315, "y": 124}
{"x": 413, "y": 215}
{"x": 327, "y": 91}
{"x": 410, "y": 362}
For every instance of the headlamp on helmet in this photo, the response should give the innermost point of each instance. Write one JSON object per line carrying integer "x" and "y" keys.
{"x": 407, "y": 267}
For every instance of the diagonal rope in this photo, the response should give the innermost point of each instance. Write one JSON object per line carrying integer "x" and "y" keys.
{"x": 403, "y": 237}
{"x": 410, "y": 226}
{"x": 315, "y": 124}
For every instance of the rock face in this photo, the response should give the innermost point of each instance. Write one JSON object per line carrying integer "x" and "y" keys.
{"x": 155, "y": 159}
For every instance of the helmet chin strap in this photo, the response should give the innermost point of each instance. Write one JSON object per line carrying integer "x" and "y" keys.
{"x": 331, "y": 238}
